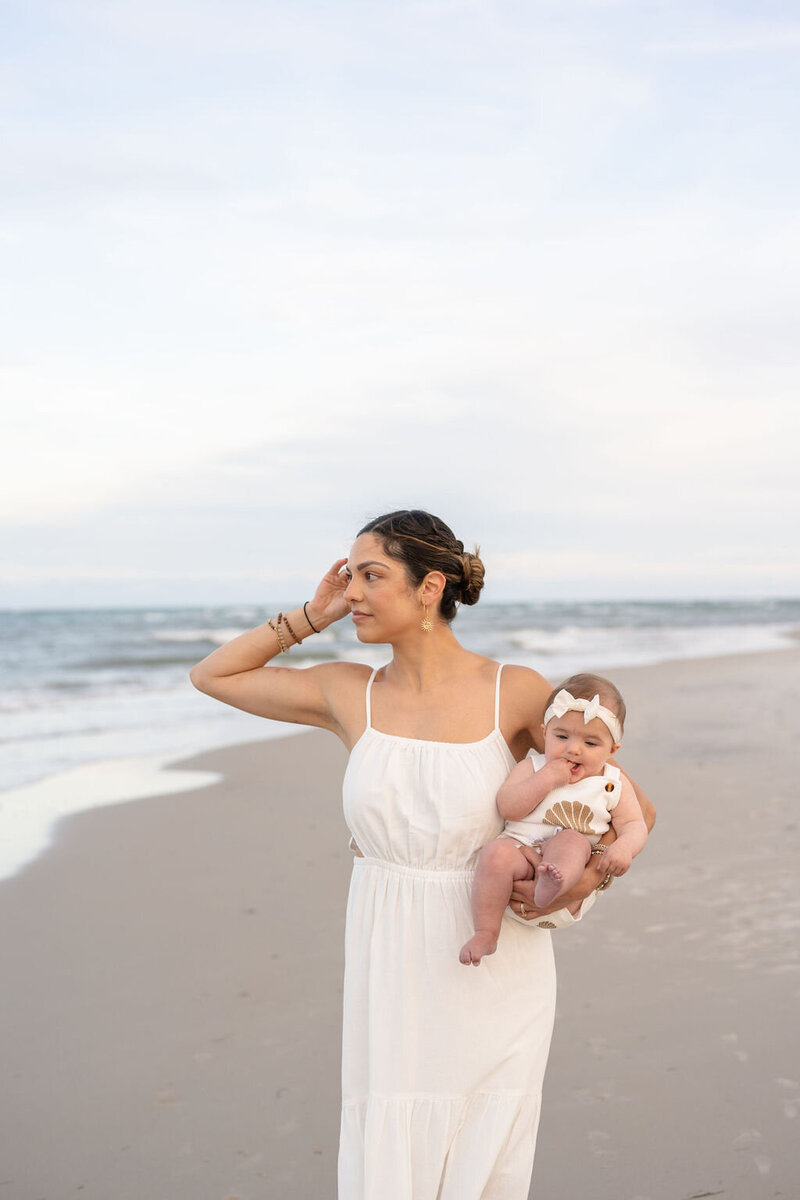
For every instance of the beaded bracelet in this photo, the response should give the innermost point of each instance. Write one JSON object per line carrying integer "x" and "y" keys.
{"x": 285, "y": 620}
{"x": 276, "y": 629}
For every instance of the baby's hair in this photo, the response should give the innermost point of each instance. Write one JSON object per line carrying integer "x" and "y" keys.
{"x": 586, "y": 687}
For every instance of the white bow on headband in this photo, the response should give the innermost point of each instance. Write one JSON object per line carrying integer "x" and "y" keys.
{"x": 564, "y": 702}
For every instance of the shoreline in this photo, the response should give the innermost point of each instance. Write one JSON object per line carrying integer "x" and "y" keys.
{"x": 38, "y": 807}
{"x": 173, "y": 971}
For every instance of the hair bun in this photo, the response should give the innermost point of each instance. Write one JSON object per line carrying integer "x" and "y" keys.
{"x": 423, "y": 543}
{"x": 473, "y": 571}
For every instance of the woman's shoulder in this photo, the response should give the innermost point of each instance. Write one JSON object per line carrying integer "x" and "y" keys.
{"x": 523, "y": 693}
{"x": 525, "y": 683}
{"x": 344, "y": 686}
{"x": 342, "y": 674}
{"x": 518, "y": 684}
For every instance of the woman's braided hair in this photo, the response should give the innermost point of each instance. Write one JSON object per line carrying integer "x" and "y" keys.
{"x": 423, "y": 543}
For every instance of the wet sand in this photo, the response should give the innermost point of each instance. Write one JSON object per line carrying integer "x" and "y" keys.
{"x": 172, "y": 975}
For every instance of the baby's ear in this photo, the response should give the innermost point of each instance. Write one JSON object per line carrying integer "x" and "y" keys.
{"x": 615, "y": 747}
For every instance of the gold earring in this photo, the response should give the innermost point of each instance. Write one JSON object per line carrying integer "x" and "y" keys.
{"x": 427, "y": 623}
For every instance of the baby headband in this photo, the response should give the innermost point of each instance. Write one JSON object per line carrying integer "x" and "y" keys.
{"x": 564, "y": 702}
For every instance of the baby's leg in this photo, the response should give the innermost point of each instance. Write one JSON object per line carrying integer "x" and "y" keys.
{"x": 500, "y": 863}
{"x": 563, "y": 858}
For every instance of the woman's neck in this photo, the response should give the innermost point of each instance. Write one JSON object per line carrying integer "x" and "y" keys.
{"x": 421, "y": 660}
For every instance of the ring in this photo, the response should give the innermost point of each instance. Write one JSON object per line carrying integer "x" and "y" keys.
{"x": 521, "y": 909}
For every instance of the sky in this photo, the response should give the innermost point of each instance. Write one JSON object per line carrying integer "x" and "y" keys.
{"x": 270, "y": 269}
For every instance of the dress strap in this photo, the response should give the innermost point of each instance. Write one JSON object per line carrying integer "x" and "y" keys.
{"x": 497, "y": 698}
{"x": 369, "y": 698}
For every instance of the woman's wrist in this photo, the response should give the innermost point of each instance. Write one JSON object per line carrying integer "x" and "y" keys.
{"x": 293, "y": 627}
{"x": 313, "y": 621}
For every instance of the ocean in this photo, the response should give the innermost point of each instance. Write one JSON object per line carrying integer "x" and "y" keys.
{"x": 95, "y": 702}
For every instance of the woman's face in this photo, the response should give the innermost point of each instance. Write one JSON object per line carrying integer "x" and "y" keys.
{"x": 383, "y": 603}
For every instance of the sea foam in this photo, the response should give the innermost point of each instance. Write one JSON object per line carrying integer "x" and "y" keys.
{"x": 29, "y": 814}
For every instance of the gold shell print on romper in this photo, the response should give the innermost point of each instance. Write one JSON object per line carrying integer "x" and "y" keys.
{"x": 570, "y": 814}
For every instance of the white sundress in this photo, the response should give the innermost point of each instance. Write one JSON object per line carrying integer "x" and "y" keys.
{"x": 442, "y": 1063}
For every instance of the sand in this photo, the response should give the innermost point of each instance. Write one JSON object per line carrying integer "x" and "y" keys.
{"x": 169, "y": 1028}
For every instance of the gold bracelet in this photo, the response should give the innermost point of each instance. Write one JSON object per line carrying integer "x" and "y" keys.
{"x": 281, "y": 620}
{"x": 285, "y": 620}
{"x": 276, "y": 629}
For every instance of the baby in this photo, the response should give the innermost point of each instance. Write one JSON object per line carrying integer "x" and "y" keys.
{"x": 565, "y": 799}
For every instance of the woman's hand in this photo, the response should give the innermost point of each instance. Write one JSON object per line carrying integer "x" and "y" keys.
{"x": 522, "y": 902}
{"x": 328, "y": 603}
{"x": 522, "y": 899}
{"x": 234, "y": 673}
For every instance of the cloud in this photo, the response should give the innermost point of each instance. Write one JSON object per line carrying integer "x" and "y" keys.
{"x": 274, "y": 267}
{"x": 734, "y": 37}
{"x": 551, "y": 495}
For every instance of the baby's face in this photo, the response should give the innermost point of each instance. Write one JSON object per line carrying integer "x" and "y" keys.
{"x": 587, "y": 748}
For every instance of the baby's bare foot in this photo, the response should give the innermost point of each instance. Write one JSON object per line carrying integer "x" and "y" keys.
{"x": 474, "y": 950}
{"x": 549, "y": 882}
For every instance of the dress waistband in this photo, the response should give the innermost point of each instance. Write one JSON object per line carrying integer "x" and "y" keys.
{"x": 431, "y": 874}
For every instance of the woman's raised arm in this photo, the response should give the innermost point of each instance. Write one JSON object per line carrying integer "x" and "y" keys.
{"x": 238, "y": 673}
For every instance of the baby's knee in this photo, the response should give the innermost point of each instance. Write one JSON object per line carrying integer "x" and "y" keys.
{"x": 495, "y": 851}
{"x": 499, "y": 852}
{"x": 574, "y": 837}
{"x": 570, "y": 840}
{"x": 505, "y": 853}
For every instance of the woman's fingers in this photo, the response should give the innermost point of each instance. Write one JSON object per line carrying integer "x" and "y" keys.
{"x": 329, "y": 596}
{"x": 525, "y": 910}
{"x": 334, "y": 576}
{"x": 522, "y": 901}
{"x": 533, "y": 855}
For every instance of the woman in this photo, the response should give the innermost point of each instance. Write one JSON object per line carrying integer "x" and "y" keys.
{"x": 442, "y": 1066}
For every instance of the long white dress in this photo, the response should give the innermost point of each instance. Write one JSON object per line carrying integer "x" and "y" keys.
{"x": 442, "y": 1063}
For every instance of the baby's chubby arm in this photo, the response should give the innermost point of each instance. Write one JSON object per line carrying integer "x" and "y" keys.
{"x": 631, "y": 831}
{"x": 525, "y": 788}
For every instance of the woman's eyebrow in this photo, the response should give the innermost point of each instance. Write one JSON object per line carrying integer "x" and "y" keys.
{"x": 372, "y": 562}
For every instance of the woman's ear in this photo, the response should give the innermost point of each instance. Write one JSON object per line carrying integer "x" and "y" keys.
{"x": 431, "y": 588}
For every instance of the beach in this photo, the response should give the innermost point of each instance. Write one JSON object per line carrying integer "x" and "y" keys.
{"x": 173, "y": 974}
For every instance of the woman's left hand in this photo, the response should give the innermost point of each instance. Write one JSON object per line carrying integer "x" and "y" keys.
{"x": 522, "y": 896}
{"x": 521, "y": 901}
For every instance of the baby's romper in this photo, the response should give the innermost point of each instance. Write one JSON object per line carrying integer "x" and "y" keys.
{"x": 442, "y": 1063}
{"x": 591, "y": 793}
{"x": 586, "y": 806}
